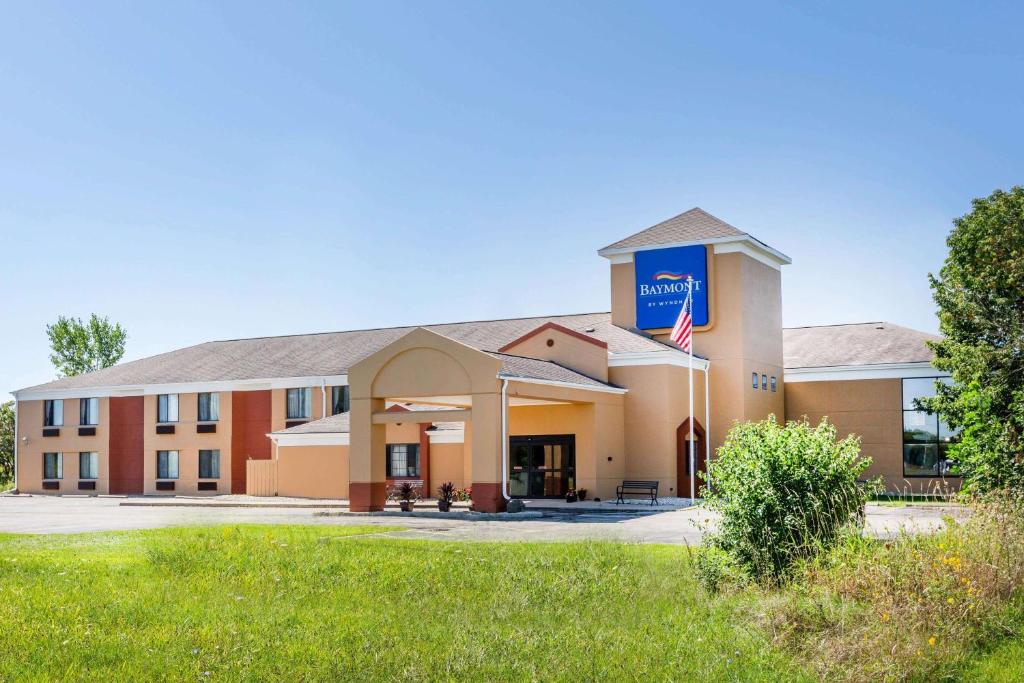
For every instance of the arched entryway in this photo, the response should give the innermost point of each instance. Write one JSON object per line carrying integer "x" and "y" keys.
{"x": 683, "y": 474}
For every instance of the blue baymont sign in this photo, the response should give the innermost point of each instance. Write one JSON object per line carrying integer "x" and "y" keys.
{"x": 661, "y": 285}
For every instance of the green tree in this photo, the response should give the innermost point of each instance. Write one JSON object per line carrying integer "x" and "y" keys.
{"x": 980, "y": 294}
{"x": 79, "y": 347}
{"x": 6, "y": 444}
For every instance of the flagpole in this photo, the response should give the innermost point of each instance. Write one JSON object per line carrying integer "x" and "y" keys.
{"x": 693, "y": 468}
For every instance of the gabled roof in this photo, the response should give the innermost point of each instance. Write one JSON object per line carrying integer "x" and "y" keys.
{"x": 857, "y": 344}
{"x": 695, "y": 226}
{"x": 329, "y": 354}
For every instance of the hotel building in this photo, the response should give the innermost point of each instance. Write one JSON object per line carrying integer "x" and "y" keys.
{"x": 524, "y": 407}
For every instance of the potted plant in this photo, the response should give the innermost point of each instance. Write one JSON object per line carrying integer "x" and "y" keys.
{"x": 406, "y": 496}
{"x": 581, "y": 494}
{"x": 570, "y": 496}
{"x": 445, "y": 495}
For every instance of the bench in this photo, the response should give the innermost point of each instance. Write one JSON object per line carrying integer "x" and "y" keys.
{"x": 392, "y": 493}
{"x": 633, "y": 487}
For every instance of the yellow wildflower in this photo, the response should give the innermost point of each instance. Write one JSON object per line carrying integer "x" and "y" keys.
{"x": 932, "y": 640}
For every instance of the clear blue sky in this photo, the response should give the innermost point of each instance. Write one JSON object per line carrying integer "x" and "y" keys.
{"x": 215, "y": 170}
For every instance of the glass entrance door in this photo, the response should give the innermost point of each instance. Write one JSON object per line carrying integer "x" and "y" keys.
{"x": 542, "y": 466}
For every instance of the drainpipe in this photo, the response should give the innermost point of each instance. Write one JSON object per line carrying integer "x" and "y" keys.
{"x": 504, "y": 440}
{"x": 16, "y": 436}
{"x": 323, "y": 397}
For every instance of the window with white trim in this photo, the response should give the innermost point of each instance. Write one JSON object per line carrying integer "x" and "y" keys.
{"x": 209, "y": 406}
{"x": 403, "y": 460}
{"x": 53, "y": 413}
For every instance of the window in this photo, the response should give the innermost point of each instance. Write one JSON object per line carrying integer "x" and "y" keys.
{"x": 753, "y": 380}
{"x": 167, "y": 464}
{"x": 88, "y": 411}
{"x": 53, "y": 465}
{"x": 209, "y": 464}
{"x": 403, "y": 460}
{"x": 764, "y": 382}
{"x": 339, "y": 400}
{"x": 775, "y": 384}
{"x": 926, "y": 437}
{"x": 88, "y": 465}
{"x": 209, "y": 407}
{"x": 53, "y": 413}
{"x": 167, "y": 408}
{"x": 298, "y": 403}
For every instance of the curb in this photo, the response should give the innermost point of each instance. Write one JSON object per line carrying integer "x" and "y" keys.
{"x": 261, "y": 506}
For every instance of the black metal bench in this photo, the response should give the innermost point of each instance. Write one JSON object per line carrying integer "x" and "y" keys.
{"x": 632, "y": 487}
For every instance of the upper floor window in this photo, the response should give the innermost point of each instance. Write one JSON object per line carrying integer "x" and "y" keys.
{"x": 298, "y": 401}
{"x": 339, "y": 400}
{"x": 88, "y": 465}
{"x": 167, "y": 408}
{"x": 775, "y": 384}
{"x": 209, "y": 407}
{"x": 53, "y": 465}
{"x": 764, "y": 382}
{"x": 403, "y": 460}
{"x": 88, "y": 411}
{"x": 53, "y": 413}
{"x": 167, "y": 464}
{"x": 926, "y": 437}
{"x": 209, "y": 464}
{"x": 753, "y": 380}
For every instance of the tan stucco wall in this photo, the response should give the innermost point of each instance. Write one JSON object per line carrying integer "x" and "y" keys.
{"x": 313, "y": 471}
{"x": 30, "y": 454}
{"x": 188, "y": 443}
{"x": 657, "y": 403}
{"x": 567, "y": 350}
{"x": 447, "y": 463}
{"x": 871, "y": 409}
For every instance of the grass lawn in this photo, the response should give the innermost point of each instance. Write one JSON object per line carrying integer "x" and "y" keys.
{"x": 319, "y": 603}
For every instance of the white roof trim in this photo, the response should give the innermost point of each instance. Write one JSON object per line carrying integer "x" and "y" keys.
{"x": 311, "y": 439}
{"x": 567, "y": 385}
{"x": 835, "y": 373}
{"x": 774, "y": 255}
{"x": 447, "y": 436}
{"x": 182, "y": 387}
{"x": 666, "y": 357}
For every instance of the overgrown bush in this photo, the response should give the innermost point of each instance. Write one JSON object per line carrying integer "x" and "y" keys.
{"x": 914, "y": 607}
{"x": 784, "y": 492}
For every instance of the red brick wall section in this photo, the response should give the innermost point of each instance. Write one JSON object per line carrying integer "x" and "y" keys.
{"x": 250, "y": 424}
{"x": 127, "y": 452}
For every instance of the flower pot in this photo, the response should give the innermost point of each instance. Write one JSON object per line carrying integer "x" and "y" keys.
{"x": 570, "y": 498}
{"x": 406, "y": 505}
{"x": 444, "y": 505}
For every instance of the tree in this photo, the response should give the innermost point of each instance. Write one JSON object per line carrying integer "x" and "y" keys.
{"x": 6, "y": 443}
{"x": 80, "y": 347}
{"x": 980, "y": 294}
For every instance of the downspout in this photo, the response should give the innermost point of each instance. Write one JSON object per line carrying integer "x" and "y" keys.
{"x": 323, "y": 397}
{"x": 16, "y": 402}
{"x": 504, "y": 440}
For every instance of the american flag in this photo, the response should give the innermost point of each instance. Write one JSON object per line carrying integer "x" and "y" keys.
{"x": 682, "y": 333}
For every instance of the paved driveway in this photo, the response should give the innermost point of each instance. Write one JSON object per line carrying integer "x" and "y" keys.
{"x": 49, "y": 514}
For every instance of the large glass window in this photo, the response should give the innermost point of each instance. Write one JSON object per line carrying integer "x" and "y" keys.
{"x": 53, "y": 465}
{"x": 209, "y": 407}
{"x": 339, "y": 400}
{"x": 403, "y": 460}
{"x": 53, "y": 413}
{"x": 926, "y": 437}
{"x": 88, "y": 465}
{"x": 209, "y": 464}
{"x": 299, "y": 401}
{"x": 88, "y": 411}
{"x": 167, "y": 464}
{"x": 167, "y": 408}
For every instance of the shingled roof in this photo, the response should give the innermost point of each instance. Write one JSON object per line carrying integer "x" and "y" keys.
{"x": 333, "y": 353}
{"x": 857, "y": 344}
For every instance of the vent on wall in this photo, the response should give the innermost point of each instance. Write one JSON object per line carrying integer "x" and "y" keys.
{"x": 206, "y": 429}
{"x": 51, "y": 485}
{"x": 165, "y": 429}
{"x": 165, "y": 486}
{"x": 51, "y": 431}
{"x": 87, "y": 431}
{"x": 86, "y": 486}
{"x": 207, "y": 486}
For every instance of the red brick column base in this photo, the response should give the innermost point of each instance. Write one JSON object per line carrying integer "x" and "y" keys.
{"x": 366, "y": 496}
{"x": 487, "y": 497}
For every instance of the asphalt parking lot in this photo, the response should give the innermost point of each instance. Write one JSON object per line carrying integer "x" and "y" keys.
{"x": 51, "y": 514}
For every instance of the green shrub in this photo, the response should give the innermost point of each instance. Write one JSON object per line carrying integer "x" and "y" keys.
{"x": 783, "y": 493}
